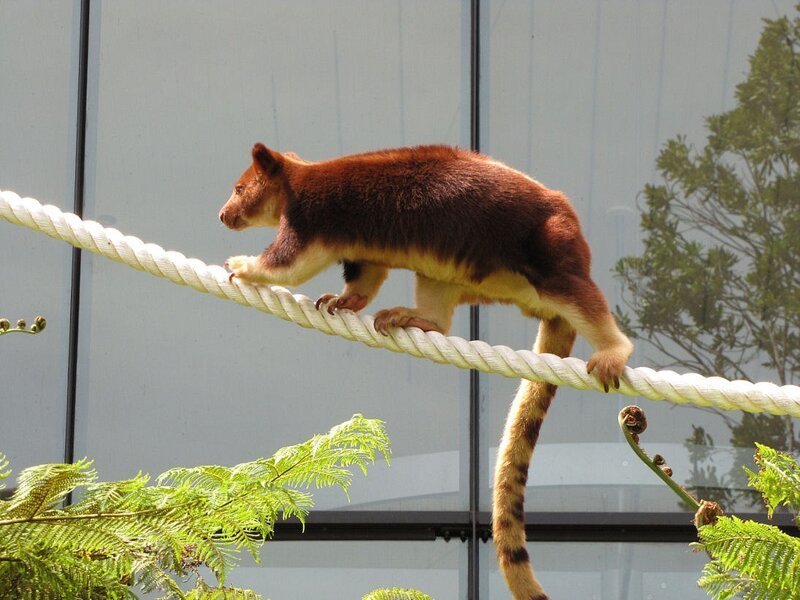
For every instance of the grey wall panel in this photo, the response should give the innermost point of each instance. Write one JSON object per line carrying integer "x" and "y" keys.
{"x": 38, "y": 79}
{"x": 168, "y": 376}
{"x": 582, "y": 96}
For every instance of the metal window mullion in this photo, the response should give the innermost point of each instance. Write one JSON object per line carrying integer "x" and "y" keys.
{"x": 78, "y": 200}
{"x": 474, "y": 332}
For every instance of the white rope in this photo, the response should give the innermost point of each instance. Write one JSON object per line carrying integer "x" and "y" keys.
{"x": 213, "y": 279}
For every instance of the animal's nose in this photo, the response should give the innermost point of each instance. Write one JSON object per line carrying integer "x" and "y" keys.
{"x": 230, "y": 219}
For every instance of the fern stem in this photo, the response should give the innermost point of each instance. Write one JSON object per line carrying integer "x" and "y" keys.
{"x": 83, "y": 517}
{"x": 39, "y": 323}
{"x": 682, "y": 493}
{"x": 299, "y": 462}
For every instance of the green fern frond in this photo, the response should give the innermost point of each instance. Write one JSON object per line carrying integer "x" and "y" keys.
{"x": 294, "y": 503}
{"x": 217, "y": 556}
{"x": 130, "y": 533}
{"x": 222, "y": 593}
{"x": 396, "y": 594}
{"x": 40, "y": 488}
{"x": 214, "y": 482}
{"x": 322, "y": 461}
{"x": 759, "y": 554}
{"x": 3, "y": 472}
{"x": 93, "y": 536}
{"x": 778, "y": 478}
{"x": 152, "y": 576}
{"x": 112, "y": 496}
{"x": 724, "y": 585}
{"x": 49, "y": 573}
{"x": 324, "y": 458}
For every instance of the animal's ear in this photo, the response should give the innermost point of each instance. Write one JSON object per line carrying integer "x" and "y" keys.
{"x": 268, "y": 160}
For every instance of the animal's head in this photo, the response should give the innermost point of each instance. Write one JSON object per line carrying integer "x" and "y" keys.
{"x": 259, "y": 194}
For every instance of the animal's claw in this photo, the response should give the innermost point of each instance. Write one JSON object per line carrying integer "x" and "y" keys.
{"x": 607, "y": 366}
{"x": 333, "y": 302}
{"x": 323, "y": 300}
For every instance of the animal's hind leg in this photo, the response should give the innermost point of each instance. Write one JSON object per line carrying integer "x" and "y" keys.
{"x": 436, "y": 301}
{"x": 587, "y": 311}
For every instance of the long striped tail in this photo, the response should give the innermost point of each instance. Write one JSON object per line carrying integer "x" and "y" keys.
{"x": 521, "y": 432}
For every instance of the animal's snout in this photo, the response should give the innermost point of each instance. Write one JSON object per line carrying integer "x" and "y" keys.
{"x": 230, "y": 219}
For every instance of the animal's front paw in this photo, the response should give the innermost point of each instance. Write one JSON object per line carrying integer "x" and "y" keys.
{"x": 402, "y": 317}
{"x": 332, "y": 302}
{"x": 243, "y": 267}
{"x": 608, "y": 366}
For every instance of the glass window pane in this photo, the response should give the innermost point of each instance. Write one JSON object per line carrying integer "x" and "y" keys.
{"x": 169, "y": 376}
{"x": 602, "y": 88}
{"x": 604, "y": 571}
{"x": 38, "y": 78}
{"x": 348, "y": 570}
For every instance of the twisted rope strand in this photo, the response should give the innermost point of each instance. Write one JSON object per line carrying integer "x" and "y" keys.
{"x": 213, "y": 279}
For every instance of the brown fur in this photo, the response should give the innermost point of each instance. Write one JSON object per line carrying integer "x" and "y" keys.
{"x": 474, "y": 230}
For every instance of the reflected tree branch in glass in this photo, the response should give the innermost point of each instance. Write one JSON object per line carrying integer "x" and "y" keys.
{"x": 715, "y": 288}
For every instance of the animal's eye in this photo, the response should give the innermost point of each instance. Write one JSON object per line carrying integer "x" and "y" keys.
{"x": 239, "y": 188}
